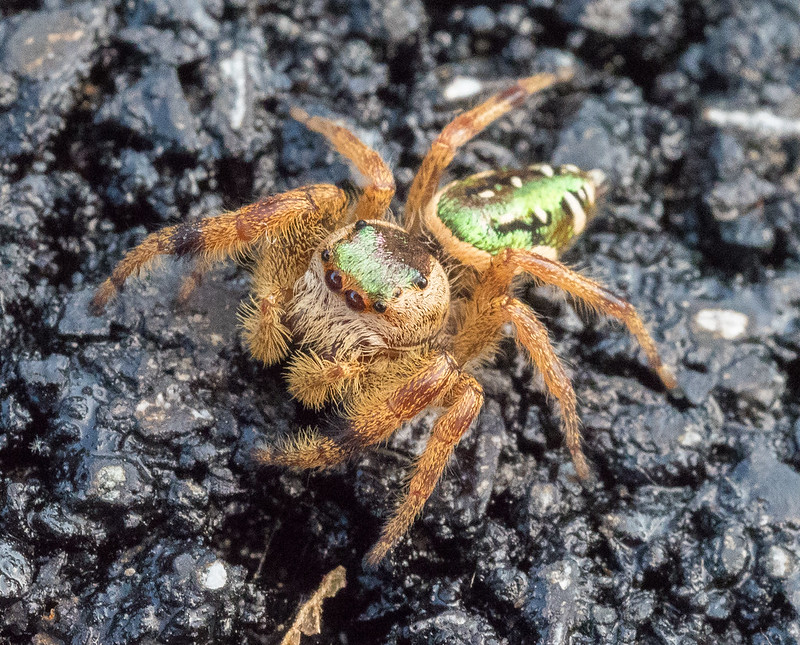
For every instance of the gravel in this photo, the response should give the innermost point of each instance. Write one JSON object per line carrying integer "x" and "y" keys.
{"x": 131, "y": 509}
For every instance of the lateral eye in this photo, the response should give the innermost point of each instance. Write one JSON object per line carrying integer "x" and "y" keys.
{"x": 325, "y": 255}
{"x": 379, "y": 306}
{"x": 360, "y": 224}
{"x": 421, "y": 282}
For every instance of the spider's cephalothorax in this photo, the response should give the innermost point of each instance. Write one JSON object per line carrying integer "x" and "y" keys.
{"x": 370, "y": 286}
{"x": 368, "y": 318}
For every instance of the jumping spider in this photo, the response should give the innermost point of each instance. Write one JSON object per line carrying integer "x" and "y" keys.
{"x": 364, "y": 309}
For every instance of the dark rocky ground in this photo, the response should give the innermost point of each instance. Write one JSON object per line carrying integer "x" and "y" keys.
{"x": 130, "y": 508}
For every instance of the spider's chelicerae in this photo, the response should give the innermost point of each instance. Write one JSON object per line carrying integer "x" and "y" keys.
{"x": 364, "y": 310}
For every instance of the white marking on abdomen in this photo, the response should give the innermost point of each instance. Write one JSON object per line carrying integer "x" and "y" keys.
{"x": 541, "y": 213}
{"x": 590, "y": 193}
{"x": 578, "y": 214}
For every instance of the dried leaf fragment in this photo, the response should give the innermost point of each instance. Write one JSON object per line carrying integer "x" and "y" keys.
{"x": 309, "y": 618}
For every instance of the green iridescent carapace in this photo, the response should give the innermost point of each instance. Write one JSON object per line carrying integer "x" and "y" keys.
{"x": 381, "y": 259}
{"x": 521, "y": 208}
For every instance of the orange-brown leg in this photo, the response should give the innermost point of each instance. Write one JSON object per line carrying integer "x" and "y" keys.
{"x": 481, "y": 328}
{"x": 316, "y": 381}
{"x": 510, "y": 261}
{"x": 532, "y": 335}
{"x": 379, "y": 189}
{"x": 263, "y": 326}
{"x": 276, "y": 269}
{"x": 370, "y": 421}
{"x": 466, "y": 400}
{"x": 307, "y": 449}
{"x": 215, "y": 238}
{"x": 457, "y": 133}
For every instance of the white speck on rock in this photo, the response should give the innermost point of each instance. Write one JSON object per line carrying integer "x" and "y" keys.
{"x": 759, "y": 121}
{"x": 108, "y": 482}
{"x": 778, "y": 562}
{"x": 235, "y": 69}
{"x": 690, "y": 438}
{"x": 462, "y": 87}
{"x": 727, "y": 323}
{"x": 561, "y": 576}
{"x": 214, "y": 576}
{"x": 203, "y": 414}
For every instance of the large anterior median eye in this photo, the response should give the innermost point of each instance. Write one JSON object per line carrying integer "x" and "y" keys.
{"x": 353, "y": 300}
{"x": 333, "y": 279}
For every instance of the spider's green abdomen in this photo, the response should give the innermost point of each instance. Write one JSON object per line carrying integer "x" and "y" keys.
{"x": 535, "y": 206}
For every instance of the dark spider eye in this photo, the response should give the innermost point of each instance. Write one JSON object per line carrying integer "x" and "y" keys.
{"x": 325, "y": 255}
{"x": 360, "y": 224}
{"x": 353, "y": 300}
{"x": 421, "y": 282}
{"x": 334, "y": 280}
{"x": 379, "y": 306}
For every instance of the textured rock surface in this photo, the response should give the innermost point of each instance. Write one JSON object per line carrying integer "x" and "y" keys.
{"x": 130, "y": 507}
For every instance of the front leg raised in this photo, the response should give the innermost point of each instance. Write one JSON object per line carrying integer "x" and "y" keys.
{"x": 212, "y": 239}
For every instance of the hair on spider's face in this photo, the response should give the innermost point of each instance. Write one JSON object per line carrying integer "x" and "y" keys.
{"x": 378, "y": 268}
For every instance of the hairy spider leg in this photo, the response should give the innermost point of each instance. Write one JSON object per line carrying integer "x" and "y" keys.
{"x": 377, "y": 194}
{"x": 315, "y": 380}
{"x": 482, "y": 327}
{"x": 460, "y": 130}
{"x": 465, "y": 402}
{"x": 262, "y": 316}
{"x": 374, "y": 417}
{"x": 509, "y": 262}
{"x": 533, "y": 336}
{"x": 230, "y": 234}
{"x": 276, "y": 269}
